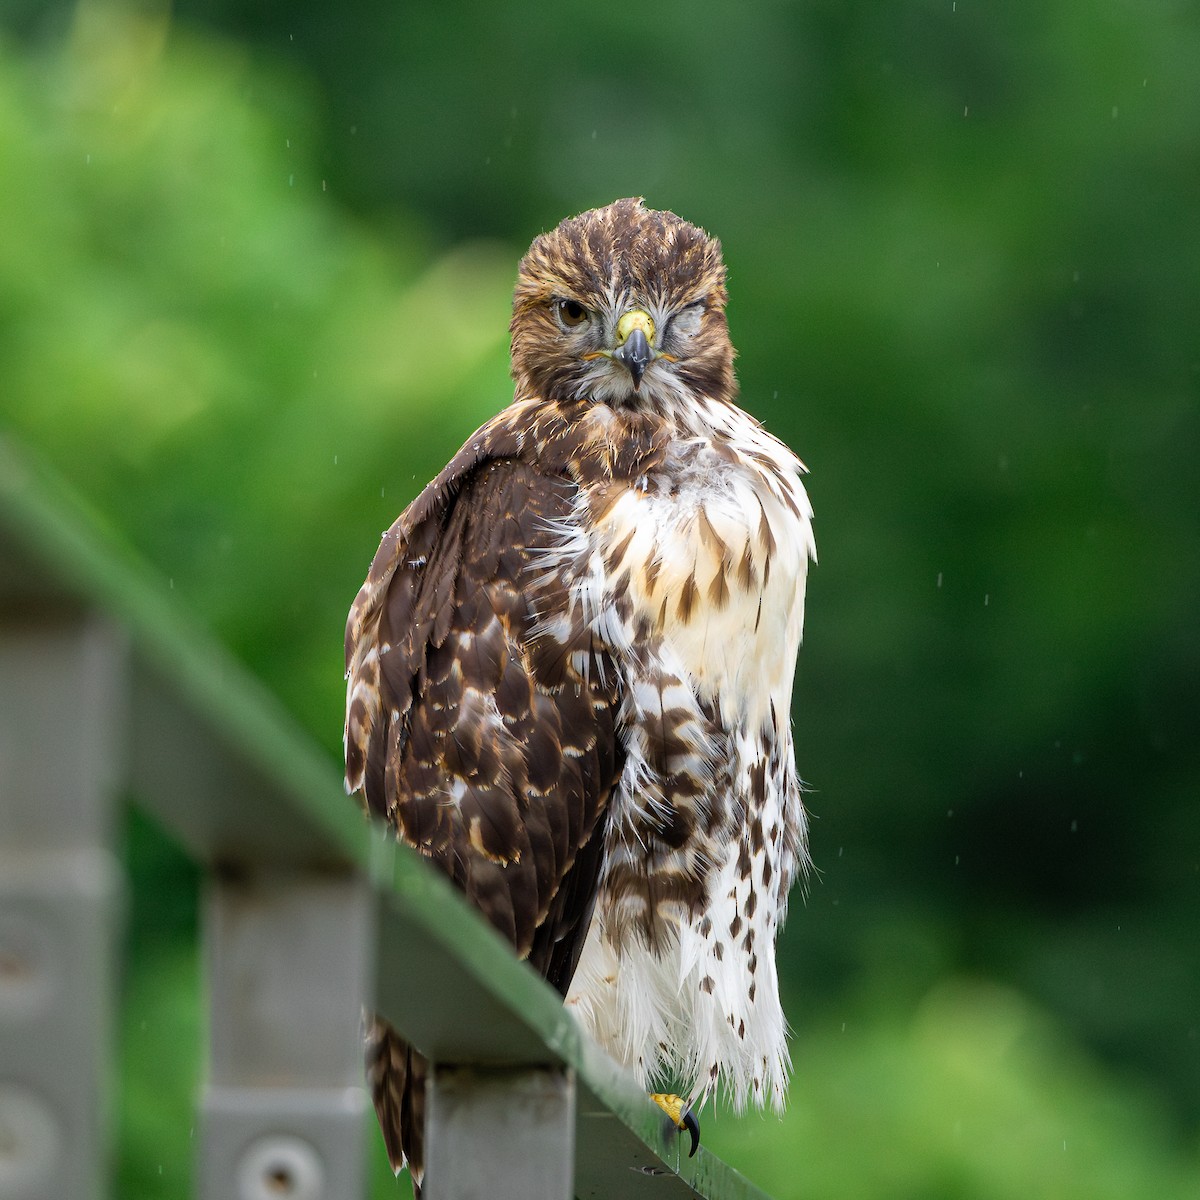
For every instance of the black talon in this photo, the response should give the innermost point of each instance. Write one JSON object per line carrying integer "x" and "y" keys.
{"x": 693, "y": 1127}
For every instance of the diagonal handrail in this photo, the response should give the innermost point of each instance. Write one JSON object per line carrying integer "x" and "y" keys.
{"x": 260, "y": 794}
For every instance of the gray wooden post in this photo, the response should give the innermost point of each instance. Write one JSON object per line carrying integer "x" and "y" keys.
{"x": 61, "y": 716}
{"x": 283, "y": 1107}
{"x": 499, "y": 1134}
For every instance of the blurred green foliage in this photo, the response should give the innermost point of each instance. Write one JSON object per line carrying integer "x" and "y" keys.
{"x": 254, "y": 274}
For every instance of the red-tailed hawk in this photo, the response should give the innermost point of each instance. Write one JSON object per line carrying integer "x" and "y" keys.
{"x": 570, "y": 669}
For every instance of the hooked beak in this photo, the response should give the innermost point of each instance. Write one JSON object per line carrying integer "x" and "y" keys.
{"x": 635, "y": 355}
{"x": 635, "y": 351}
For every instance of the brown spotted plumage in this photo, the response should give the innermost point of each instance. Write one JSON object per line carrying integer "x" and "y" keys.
{"x": 570, "y": 669}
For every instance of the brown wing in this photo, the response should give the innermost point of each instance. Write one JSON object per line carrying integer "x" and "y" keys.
{"x": 483, "y": 730}
{"x": 490, "y": 748}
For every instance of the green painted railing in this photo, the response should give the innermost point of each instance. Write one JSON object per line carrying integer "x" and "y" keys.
{"x": 309, "y": 914}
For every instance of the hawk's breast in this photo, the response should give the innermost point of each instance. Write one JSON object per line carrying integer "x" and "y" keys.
{"x": 696, "y": 576}
{"x": 711, "y": 556}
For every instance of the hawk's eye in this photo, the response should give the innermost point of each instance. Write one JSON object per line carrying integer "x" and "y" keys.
{"x": 571, "y": 313}
{"x": 686, "y": 322}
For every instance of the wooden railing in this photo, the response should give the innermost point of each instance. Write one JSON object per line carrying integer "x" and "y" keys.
{"x": 309, "y": 914}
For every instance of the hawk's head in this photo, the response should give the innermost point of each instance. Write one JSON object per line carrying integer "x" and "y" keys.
{"x": 623, "y": 306}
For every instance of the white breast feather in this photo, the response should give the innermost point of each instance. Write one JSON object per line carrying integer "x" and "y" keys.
{"x": 707, "y": 1010}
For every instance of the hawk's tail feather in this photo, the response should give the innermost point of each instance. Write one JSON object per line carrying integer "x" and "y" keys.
{"x": 396, "y": 1074}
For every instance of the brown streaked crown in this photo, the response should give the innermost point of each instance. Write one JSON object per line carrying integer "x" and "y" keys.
{"x": 609, "y": 260}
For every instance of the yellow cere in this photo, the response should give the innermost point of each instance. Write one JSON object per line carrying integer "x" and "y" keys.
{"x": 635, "y": 318}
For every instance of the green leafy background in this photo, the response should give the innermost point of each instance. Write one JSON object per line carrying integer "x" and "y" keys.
{"x": 255, "y": 265}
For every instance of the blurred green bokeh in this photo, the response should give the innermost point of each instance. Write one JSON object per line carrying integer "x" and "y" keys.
{"x": 255, "y": 263}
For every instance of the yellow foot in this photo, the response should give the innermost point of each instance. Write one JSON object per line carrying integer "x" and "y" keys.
{"x": 681, "y": 1116}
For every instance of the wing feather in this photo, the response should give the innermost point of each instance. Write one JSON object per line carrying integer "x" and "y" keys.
{"x": 474, "y": 737}
{"x": 472, "y": 729}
